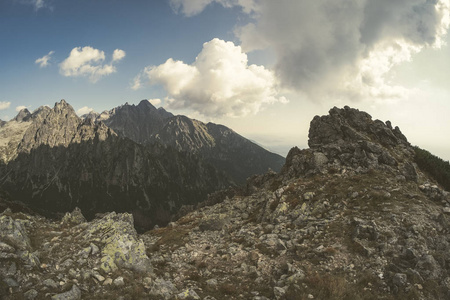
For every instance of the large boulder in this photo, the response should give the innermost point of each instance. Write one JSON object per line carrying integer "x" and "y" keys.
{"x": 120, "y": 246}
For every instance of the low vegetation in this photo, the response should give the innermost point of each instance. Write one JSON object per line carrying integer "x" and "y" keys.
{"x": 436, "y": 167}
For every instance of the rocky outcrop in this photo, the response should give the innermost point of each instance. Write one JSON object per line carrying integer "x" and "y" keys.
{"x": 349, "y": 138}
{"x": 71, "y": 259}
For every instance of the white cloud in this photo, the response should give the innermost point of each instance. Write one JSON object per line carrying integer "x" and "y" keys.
{"x": 84, "y": 110}
{"x": 43, "y": 61}
{"x": 4, "y": 105}
{"x": 194, "y": 7}
{"x": 136, "y": 83}
{"x": 88, "y": 61}
{"x": 155, "y": 102}
{"x": 38, "y": 4}
{"x": 218, "y": 83}
{"x": 20, "y": 107}
{"x": 338, "y": 48}
{"x": 118, "y": 54}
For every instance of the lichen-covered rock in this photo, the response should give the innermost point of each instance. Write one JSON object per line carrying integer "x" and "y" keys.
{"x": 121, "y": 248}
{"x": 73, "y": 218}
{"x": 14, "y": 233}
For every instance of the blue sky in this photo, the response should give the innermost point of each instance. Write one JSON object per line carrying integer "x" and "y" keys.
{"x": 262, "y": 67}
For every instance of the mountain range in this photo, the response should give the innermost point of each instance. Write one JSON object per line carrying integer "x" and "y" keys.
{"x": 132, "y": 158}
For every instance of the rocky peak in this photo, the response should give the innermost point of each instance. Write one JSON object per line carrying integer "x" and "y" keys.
{"x": 145, "y": 104}
{"x": 349, "y": 138}
{"x": 23, "y": 116}
{"x": 349, "y": 125}
{"x": 52, "y": 127}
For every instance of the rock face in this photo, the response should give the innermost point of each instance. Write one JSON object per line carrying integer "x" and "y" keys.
{"x": 338, "y": 222}
{"x": 218, "y": 145}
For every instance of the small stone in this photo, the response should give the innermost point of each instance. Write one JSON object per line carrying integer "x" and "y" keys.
{"x": 73, "y": 294}
{"x": 279, "y": 292}
{"x": 30, "y": 294}
{"x": 211, "y": 282}
{"x": 10, "y": 282}
{"x": 108, "y": 281}
{"x": 308, "y": 195}
{"x": 147, "y": 281}
{"x": 446, "y": 210}
{"x": 94, "y": 248}
{"x": 6, "y": 248}
{"x": 99, "y": 277}
{"x": 188, "y": 294}
{"x": 84, "y": 253}
{"x": 50, "y": 283}
{"x": 119, "y": 281}
{"x": 12, "y": 269}
{"x": 310, "y": 296}
{"x": 399, "y": 279}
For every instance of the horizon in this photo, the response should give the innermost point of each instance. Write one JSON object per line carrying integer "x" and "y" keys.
{"x": 263, "y": 69}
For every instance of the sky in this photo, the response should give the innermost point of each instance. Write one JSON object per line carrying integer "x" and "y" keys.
{"x": 261, "y": 67}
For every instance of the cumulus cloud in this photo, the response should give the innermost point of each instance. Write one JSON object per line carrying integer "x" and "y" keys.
{"x": 155, "y": 102}
{"x": 20, "y": 107}
{"x": 43, "y": 61}
{"x": 118, "y": 54}
{"x": 338, "y": 47}
{"x": 38, "y": 4}
{"x": 4, "y": 105}
{"x": 218, "y": 83}
{"x": 88, "y": 61}
{"x": 194, "y": 7}
{"x": 136, "y": 83}
{"x": 84, "y": 110}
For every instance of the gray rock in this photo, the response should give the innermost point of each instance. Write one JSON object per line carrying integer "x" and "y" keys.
{"x": 50, "y": 283}
{"x": 30, "y": 294}
{"x": 121, "y": 244}
{"x": 74, "y": 218}
{"x": 279, "y": 292}
{"x": 11, "y": 282}
{"x": 6, "y": 248}
{"x": 399, "y": 279}
{"x": 73, "y": 294}
{"x": 14, "y": 233}
{"x": 162, "y": 289}
{"x": 119, "y": 281}
{"x": 188, "y": 294}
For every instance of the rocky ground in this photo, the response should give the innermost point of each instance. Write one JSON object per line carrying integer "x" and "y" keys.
{"x": 353, "y": 217}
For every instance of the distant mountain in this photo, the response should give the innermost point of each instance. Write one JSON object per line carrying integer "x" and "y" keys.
{"x": 62, "y": 161}
{"x": 136, "y": 122}
{"x": 219, "y": 145}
